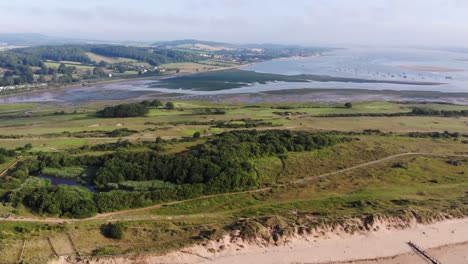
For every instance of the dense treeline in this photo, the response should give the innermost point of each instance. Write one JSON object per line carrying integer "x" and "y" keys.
{"x": 124, "y": 110}
{"x": 246, "y": 123}
{"x": 19, "y": 69}
{"x": 434, "y": 112}
{"x": 64, "y": 201}
{"x": 20, "y": 62}
{"x": 417, "y": 111}
{"x": 153, "y": 56}
{"x": 445, "y": 134}
{"x": 78, "y": 53}
{"x": 222, "y": 164}
{"x": 6, "y": 153}
{"x": 56, "y": 53}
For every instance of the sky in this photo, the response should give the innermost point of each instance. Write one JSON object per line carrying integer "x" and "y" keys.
{"x": 305, "y": 22}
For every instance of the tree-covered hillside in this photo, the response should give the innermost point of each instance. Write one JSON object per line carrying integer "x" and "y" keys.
{"x": 73, "y": 63}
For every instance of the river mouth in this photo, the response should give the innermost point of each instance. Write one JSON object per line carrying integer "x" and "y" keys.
{"x": 372, "y": 71}
{"x": 55, "y": 181}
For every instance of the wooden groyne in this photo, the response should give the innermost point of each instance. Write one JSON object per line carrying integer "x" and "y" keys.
{"x": 423, "y": 253}
{"x": 52, "y": 247}
{"x": 73, "y": 244}
{"x": 20, "y": 256}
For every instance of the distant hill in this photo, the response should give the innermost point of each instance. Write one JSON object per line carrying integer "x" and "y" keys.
{"x": 183, "y": 42}
{"x": 195, "y": 44}
{"x": 32, "y": 39}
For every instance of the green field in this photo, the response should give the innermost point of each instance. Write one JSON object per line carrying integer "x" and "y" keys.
{"x": 300, "y": 193}
{"x": 38, "y": 124}
{"x": 78, "y": 66}
{"x": 99, "y": 58}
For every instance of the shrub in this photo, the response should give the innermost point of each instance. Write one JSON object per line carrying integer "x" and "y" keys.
{"x": 113, "y": 230}
{"x": 124, "y": 110}
{"x": 400, "y": 165}
{"x": 170, "y": 106}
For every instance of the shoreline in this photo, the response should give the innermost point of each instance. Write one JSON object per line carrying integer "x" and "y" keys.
{"x": 100, "y": 82}
{"x": 386, "y": 241}
{"x": 429, "y": 68}
{"x": 156, "y": 77}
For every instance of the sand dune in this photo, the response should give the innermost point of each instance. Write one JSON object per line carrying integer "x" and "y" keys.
{"x": 446, "y": 241}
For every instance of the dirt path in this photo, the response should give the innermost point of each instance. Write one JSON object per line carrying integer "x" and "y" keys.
{"x": 11, "y": 165}
{"x": 156, "y": 206}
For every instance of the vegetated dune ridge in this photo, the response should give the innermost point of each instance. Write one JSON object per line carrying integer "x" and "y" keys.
{"x": 380, "y": 240}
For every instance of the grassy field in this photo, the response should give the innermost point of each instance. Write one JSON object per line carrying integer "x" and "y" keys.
{"x": 39, "y": 124}
{"x": 99, "y": 58}
{"x": 420, "y": 184}
{"x": 423, "y": 185}
{"x": 78, "y": 66}
{"x": 188, "y": 67}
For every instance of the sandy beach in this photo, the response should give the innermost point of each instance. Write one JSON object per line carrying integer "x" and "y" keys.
{"x": 446, "y": 241}
{"x": 342, "y": 247}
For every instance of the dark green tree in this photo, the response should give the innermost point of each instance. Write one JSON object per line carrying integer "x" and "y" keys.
{"x": 170, "y": 106}
{"x": 62, "y": 69}
{"x": 113, "y": 230}
{"x": 156, "y": 103}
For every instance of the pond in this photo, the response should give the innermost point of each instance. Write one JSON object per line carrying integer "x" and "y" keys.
{"x": 69, "y": 181}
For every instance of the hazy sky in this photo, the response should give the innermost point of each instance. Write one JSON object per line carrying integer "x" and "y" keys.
{"x": 375, "y": 22}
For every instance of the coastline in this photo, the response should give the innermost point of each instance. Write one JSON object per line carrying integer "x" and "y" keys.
{"x": 99, "y": 82}
{"x": 385, "y": 242}
{"x": 429, "y": 68}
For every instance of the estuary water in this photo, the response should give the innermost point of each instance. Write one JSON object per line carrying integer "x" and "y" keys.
{"x": 392, "y": 64}
{"x": 447, "y": 67}
{"x": 66, "y": 181}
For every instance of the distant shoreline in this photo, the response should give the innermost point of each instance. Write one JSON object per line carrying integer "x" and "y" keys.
{"x": 429, "y": 68}
{"x": 98, "y": 82}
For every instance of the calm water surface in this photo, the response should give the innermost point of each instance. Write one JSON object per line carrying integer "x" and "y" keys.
{"x": 376, "y": 64}
{"x": 62, "y": 181}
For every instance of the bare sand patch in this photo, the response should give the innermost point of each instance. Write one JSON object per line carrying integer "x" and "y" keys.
{"x": 429, "y": 68}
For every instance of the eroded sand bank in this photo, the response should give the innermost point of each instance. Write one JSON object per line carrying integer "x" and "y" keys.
{"x": 446, "y": 240}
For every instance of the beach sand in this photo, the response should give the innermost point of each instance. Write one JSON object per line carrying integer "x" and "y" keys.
{"x": 454, "y": 253}
{"x": 342, "y": 247}
{"x": 446, "y": 241}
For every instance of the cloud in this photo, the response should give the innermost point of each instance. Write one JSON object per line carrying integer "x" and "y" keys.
{"x": 293, "y": 21}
